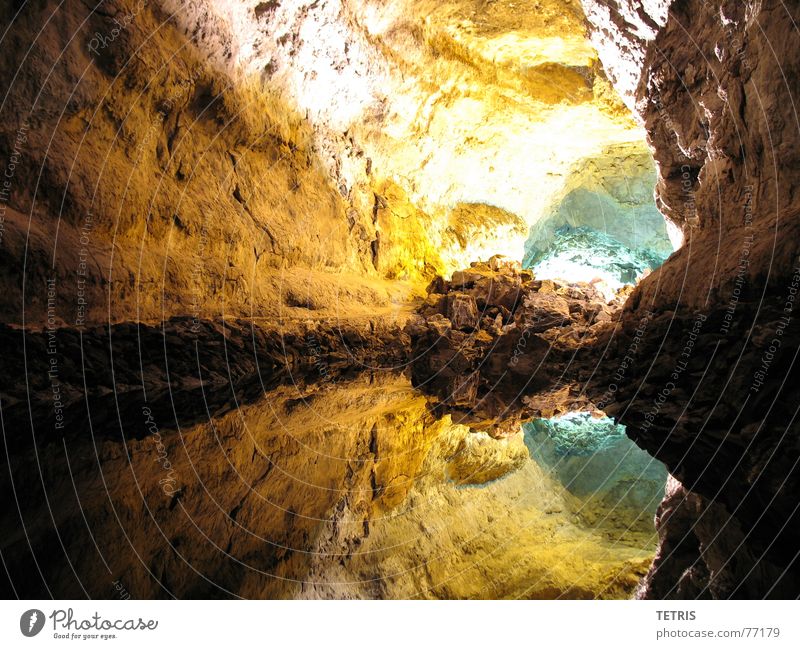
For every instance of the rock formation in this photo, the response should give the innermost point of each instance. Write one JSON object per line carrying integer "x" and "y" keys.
{"x": 493, "y": 334}
{"x": 711, "y": 386}
{"x": 333, "y": 487}
{"x": 241, "y": 156}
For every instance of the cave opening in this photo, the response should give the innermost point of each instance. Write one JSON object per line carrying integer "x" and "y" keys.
{"x": 605, "y": 227}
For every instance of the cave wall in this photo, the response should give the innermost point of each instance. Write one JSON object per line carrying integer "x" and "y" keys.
{"x": 705, "y": 357}
{"x": 147, "y": 183}
{"x": 451, "y": 103}
{"x": 611, "y": 193}
{"x": 713, "y": 84}
{"x": 205, "y": 157}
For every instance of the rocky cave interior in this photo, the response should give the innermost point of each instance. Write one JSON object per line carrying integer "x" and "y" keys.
{"x": 400, "y": 299}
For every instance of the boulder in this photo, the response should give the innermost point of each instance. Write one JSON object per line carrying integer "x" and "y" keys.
{"x": 499, "y": 263}
{"x": 434, "y": 303}
{"x": 462, "y": 310}
{"x": 502, "y": 290}
{"x": 543, "y": 311}
{"x": 439, "y": 324}
{"x": 465, "y": 279}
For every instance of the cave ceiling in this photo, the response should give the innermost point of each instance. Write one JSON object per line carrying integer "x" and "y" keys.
{"x": 495, "y": 103}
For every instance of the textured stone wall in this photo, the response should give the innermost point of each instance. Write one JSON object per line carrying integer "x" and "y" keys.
{"x": 611, "y": 193}
{"x": 714, "y": 88}
{"x": 708, "y": 343}
{"x": 280, "y": 161}
{"x": 195, "y": 158}
{"x": 150, "y": 184}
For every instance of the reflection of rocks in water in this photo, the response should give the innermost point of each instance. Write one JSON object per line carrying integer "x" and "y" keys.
{"x": 516, "y": 536}
{"x": 537, "y": 362}
{"x": 346, "y": 488}
{"x": 592, "y": 457}
{"x": 182, "y": 367}
{"x": 704, "y": 552}
{"x": 517, "y": 337}
{"x": 240, "y": 501}
{"x": 478, "y": 458}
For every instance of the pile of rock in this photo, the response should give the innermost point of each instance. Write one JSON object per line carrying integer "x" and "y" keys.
{"x": 478, "y": 335}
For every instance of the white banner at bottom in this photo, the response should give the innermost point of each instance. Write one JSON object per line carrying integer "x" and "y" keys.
{"x": 332, "y": 624}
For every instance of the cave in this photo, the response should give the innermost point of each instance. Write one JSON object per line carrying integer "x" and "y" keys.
{"x": 392, "y": 299}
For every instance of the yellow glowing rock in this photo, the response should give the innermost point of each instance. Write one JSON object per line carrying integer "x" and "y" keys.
{"x": 451, "y": 102}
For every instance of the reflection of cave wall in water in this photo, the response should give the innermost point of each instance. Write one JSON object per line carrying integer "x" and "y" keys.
{"x": 604, "y": 222}
{"x": 339, "y": 488}
{"x": 595, "y": 460}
